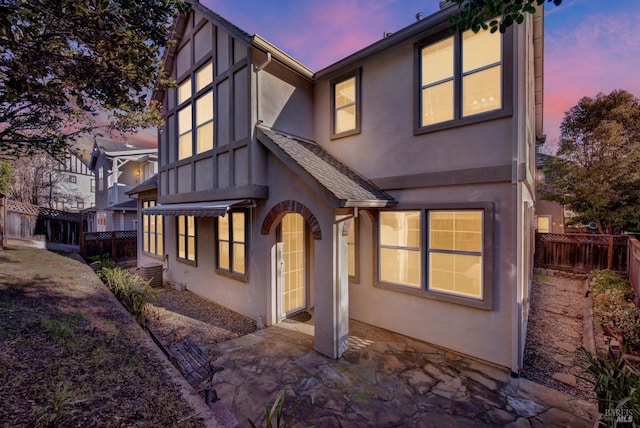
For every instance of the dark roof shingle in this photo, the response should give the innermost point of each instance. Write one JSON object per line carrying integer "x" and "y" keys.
{"x": 345, "y": 186}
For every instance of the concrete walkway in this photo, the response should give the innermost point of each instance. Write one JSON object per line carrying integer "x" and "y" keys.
{"x": 383, "y": 380}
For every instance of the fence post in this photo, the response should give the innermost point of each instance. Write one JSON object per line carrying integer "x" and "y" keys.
{"x": 610, "y": 253}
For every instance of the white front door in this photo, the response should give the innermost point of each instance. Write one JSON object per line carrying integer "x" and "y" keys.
{"x": 291, "y": 264}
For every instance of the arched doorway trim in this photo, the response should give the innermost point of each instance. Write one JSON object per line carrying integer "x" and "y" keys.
{"x": 289, "y": 206}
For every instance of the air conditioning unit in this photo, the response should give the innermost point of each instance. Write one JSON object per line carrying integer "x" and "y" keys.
{"x": 152, "y": 271}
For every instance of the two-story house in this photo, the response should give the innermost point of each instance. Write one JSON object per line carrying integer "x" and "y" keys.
{"x": 117, "y": 168}
{"x": 394, "y": 187}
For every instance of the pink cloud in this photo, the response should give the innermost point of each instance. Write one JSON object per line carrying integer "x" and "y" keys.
{"x": 598, "y": 55}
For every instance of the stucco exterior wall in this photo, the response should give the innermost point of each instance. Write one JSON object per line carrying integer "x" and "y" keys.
{"x": 387, "y": 135}
{"x": 484, "y": 334}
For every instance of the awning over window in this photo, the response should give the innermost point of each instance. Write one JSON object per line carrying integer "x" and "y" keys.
{"x": 196, "y": 209}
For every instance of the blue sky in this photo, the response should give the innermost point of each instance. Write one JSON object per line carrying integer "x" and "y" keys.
{"x": 591, "y": 46}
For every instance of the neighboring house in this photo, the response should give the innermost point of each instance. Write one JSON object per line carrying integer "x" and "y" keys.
{"x": 550, "y": 216}
{"x": 117, "y": 168}
{"x": 73, "y": 190}
{"x": 394, "y": 187}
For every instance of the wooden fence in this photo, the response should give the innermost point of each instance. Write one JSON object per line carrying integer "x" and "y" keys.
{"x": 120, "y": 245}
{"x": 582, "y": 253}
{"x": 32, "y": 222}
{"x": 634, "y": 266}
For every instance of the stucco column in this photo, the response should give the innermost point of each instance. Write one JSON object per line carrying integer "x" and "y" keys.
{"x": 332, "y": 292}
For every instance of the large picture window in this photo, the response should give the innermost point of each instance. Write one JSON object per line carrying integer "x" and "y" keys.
{"x": 460, "y": 76}
{"x": 186, "y": 238}
{"x": 152, "y": 233}
{"x": 442, "y": 254}
{"x": 231, "y": 242}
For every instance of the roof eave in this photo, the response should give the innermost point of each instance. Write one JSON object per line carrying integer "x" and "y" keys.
{"x": 279, "y": 55}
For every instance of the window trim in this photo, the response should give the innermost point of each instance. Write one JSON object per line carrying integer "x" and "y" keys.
{"x": 358, "y": 104}
{"x": 186, "y": 237}
{"x": 148, "y": 234}
{"x": 459, "y": 120}
{"x": 549, "y": 226}
{"x": 230, "y": 272}
{"x": 191, "y": 101}
{"x": 486, "y": 302}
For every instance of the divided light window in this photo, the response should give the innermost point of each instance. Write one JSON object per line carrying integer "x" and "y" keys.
{"x": 195, "y": 101}
{"x": 400, "y": 253}
{"x": 455, "y": 252}
{"x": 186, "y": 238}
{"x": 450, "y": 248}
{"x": 345, "y": 105}
{"x": 231, "y": 242}
{"x": 460, "y": 76}
{"x": 152, "y": 241}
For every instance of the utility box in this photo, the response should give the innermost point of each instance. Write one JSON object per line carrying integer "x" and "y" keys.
{"x": 152, "y": 271}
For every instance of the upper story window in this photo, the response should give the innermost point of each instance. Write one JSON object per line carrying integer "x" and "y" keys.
{"x": 73, "y": 179}
{"x": 345, "y": 105}
{"x": 460, "y": 76}
{"x": 195, "y": 101}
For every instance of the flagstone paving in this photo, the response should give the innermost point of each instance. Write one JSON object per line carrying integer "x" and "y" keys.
{"x": 383, "y": 380}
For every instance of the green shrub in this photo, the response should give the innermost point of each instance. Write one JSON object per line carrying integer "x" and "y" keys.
{"x": 621, "y": 317}
{"x": 615, "y": 382}
{"x": 134, "y": 292}
{"x": 102, "y": 261}
{"x": 602, "y": 280}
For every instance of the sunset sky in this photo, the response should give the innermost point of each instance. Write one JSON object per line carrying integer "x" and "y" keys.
{"x": 591, "y": 46}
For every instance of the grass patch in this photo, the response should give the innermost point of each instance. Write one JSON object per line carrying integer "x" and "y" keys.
{"x": 69, "y": 358}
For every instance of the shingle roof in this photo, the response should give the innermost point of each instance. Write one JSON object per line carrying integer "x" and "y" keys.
{"x": 131, "y": 204}
{"x": 343, "y": 186}
{"x": 149, "y": 184}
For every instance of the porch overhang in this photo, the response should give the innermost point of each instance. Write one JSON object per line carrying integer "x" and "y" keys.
{"x": 197, "y": 209}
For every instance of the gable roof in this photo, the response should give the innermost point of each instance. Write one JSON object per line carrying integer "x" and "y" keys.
{"x": 340, "y": 185}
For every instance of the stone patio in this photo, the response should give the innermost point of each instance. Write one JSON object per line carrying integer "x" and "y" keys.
{"x": 383, "y": 380}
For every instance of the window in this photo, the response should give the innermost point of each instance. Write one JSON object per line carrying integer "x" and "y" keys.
{"x": 544, "y": 224}
{"x": 100, "y": 179}
{"x": 73, "y": 179}
{"x": 455, "y": 252}
{"x": 186, "y": 238}
{"x": 60, "y": 205}
{"x": 196, "y": 113}
{"x": 442, "y": 253}
{"x": 80, "y": 205}
{"x": 400, "y": 253}
{"x": 345, "y": 105}
{"x": 460, "y": 76}
{"x": 101, "y": 222}
{"x": 231, "y": 242}
{"x": 93, "y": 185}
{"x": 152, "y": 236}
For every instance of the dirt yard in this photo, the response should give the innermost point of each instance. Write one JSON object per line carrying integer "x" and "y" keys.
{"x": 70, "y": 354}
